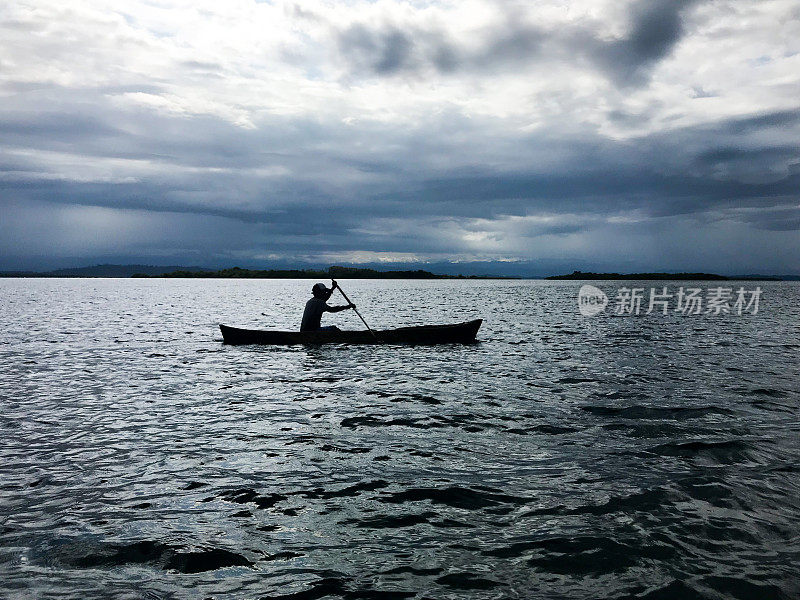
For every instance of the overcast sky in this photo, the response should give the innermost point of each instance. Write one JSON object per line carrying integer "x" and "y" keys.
{"x": 603, "y": 134}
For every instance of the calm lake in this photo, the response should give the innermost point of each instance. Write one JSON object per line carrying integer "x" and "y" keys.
{"x": 562, "y": 456}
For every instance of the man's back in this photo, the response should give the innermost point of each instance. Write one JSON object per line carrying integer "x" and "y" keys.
{"x": 312, "y": 316}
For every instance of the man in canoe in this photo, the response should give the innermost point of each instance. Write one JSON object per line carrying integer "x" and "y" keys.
{"x": 317, "y": 305}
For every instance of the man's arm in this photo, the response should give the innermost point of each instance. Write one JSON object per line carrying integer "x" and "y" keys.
{"x": 338, "y": 308}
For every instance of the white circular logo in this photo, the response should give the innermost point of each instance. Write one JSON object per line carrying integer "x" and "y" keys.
{"x": 591, "y": 300}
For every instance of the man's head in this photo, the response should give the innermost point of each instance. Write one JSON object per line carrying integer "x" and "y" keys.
{"x": 320, "y": 291}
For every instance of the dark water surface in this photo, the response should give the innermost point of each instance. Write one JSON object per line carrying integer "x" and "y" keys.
{"x": 561, "y": 457}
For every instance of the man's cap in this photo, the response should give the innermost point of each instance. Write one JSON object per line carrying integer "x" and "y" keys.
{"x": 319, "y": 288}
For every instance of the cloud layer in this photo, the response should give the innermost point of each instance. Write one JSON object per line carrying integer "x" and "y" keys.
{"x": 646, "y": 134}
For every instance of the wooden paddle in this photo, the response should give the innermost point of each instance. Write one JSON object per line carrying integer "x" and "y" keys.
{"x": 346, "y": 299}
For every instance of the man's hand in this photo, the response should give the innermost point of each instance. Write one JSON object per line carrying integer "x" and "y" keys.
{"x": 353, "y": 306}
{"x": 334, "y": 284}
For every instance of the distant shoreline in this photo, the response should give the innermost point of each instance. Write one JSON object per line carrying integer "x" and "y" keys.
{"x": 331, "y": 273}
{"x": 177, "y": 272}
{"x": 581, "y": 276}
{"x": 338, "y": 272}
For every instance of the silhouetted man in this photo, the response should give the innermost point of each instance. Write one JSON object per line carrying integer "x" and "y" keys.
{"x": 317, "y": 305}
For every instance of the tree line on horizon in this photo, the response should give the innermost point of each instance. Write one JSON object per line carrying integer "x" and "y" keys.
{"x": 331, "y": 273}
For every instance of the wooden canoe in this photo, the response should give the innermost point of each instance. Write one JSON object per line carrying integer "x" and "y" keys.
{"x": 458, "y": 333}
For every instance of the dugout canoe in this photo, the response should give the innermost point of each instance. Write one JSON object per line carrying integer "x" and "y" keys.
{"x": 457, "y": 333}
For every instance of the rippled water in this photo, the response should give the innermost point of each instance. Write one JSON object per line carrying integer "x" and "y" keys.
{"x": 560, "y": 457}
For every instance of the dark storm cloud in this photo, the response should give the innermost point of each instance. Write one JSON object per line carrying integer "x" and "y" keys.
{"x": 388, "y": 50}
{"x": 617, "y": 191}
{"x": 760, "y": 158}
{"x": 776, "y": 219}
{"x": 382, "y": 52}
{"x": 686, "y": 170}
{"x": 774, "y": 120}
{"x": 599, "y": 177}
{"x": 106, "y": 132}
{"x": 655, "y": 27}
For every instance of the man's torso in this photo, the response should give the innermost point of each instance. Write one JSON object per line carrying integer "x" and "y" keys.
{"x": 312, "y": 316}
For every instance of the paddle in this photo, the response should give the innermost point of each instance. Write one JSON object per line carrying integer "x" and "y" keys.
{"x": 346, "y": 299}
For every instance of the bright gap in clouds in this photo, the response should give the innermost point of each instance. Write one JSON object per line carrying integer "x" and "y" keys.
{"x": 596, "y": 132}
